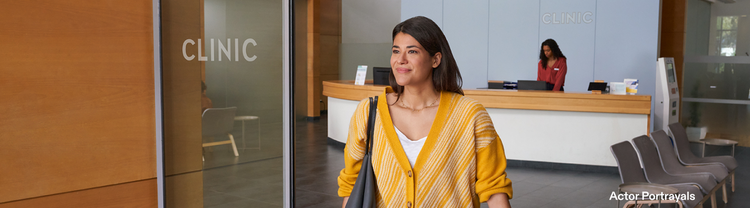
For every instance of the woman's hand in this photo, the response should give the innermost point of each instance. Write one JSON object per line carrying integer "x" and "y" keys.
{"x": 347, "y": 199}
{"x": 499, "y": 200}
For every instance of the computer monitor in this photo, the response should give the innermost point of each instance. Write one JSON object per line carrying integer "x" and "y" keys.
{"x": 380, "y": 75}
{"x": 601, "y": 86}
{"x": 532, "y": 85}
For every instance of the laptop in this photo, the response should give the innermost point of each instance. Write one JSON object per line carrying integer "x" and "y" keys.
{"x": 532, "y": 85}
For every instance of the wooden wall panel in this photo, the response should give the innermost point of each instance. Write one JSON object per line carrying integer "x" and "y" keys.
{"x": 181, "y": 20}
{"x": 330, "y": 17}
{"x": 300, "y": 58}
{"x": 132, "y": 194}
{"x": 330, "y": 39}
{"x": 77, "y": 97}
{"x": 672, "y": 40}
{"x": 313, "y": 58}
{"x": 184, "y": 190}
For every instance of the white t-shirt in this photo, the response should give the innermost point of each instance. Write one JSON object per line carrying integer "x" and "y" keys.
{"x": 411, "y": 148}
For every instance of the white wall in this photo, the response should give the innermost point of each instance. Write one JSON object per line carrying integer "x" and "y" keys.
{"x": 520, "y": 63}
{"x": 366, "y": 28}
{"x": 432, "y": 9}
{"x": 577, "y": 39}
{"x": 465, "y": 27}
{"x": 500, "y": 40}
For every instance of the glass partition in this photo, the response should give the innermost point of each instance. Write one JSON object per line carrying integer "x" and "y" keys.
{"x": 716, "y": 77}
{"x": 226, "y": 82}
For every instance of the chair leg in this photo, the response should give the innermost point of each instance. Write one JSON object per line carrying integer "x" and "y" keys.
{"x": 243, "y": 135}
{"x": 724, "y": 188}
{"x": 713, "y": 200}
{"x": 234, "y": 146}
{"x": 732, "y": 181}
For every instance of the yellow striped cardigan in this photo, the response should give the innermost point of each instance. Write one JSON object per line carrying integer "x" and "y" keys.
{"x": 461, "y": 164}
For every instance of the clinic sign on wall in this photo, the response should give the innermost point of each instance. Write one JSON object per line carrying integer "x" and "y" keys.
{"x": 567, "y": 17}
{"x": 218, "y": 50}
{"x": 572, "y": 24}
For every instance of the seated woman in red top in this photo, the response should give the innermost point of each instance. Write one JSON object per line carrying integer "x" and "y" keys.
{"x": 552, "y": 66}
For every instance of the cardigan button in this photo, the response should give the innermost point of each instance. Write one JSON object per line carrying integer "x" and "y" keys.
{"x": 409, "y": 172}
{"x": 408, "y": 204}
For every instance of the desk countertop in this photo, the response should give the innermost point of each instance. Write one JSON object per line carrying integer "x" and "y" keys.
{"x": 515, "y": 99}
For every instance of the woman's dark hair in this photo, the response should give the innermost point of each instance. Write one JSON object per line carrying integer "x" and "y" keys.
{"x": 555, "y": 51}
{"x": 446, "y": 76}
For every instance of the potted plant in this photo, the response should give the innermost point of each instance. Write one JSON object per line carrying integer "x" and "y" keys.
{"x": 695, "y": 132}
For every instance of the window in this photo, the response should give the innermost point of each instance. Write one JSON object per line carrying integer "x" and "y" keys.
{"x": 726, "y": 35}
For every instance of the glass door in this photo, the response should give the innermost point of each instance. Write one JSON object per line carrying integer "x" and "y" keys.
{"x": 227, "y": 103}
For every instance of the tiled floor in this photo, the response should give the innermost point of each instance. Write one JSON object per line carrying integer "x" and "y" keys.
{"x": 254, "y": 178}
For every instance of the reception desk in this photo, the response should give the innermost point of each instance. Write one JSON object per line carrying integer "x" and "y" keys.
{"x": 542, "y": 126}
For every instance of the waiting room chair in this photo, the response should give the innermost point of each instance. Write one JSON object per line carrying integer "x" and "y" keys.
{"x": 686, "y": 156}
{"x": 630, "y": 172}
{"x": 219, "y": 122}
{"x": 672, "y": 165}
{"x": 655, "y": 172}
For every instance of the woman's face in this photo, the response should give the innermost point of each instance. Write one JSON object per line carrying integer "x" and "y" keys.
{"x": 547, "y": 52}
{"x": 410, "y": 62}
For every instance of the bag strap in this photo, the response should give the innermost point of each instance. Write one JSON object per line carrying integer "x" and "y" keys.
{"x": 371, "y": 122}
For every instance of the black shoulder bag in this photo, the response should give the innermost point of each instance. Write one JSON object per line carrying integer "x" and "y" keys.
{"x": 363, "y": 193}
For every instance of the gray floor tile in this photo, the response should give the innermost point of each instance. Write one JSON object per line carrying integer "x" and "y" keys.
{"x": 548, "y": 193}
{"x": 522, "y": 188}
{"x": 254, "y": 178}
{"x": 307, "y": 198}
{"x": 548, "y": 177}
{"x": 220, "y": 199}
{"x": 578, "y": 180}
{"x": 326, "y": 183}
{"x": 519, "y": 174}
{"x": 528, "y": 202}
{"x": 247, "y": 203}
{"x": 271, "y": 195}
{"x": 211, "y": 182}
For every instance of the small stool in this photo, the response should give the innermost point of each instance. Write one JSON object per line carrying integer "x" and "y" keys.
{"x": 243, "y": 119}
{"x": 717, "y": 142}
